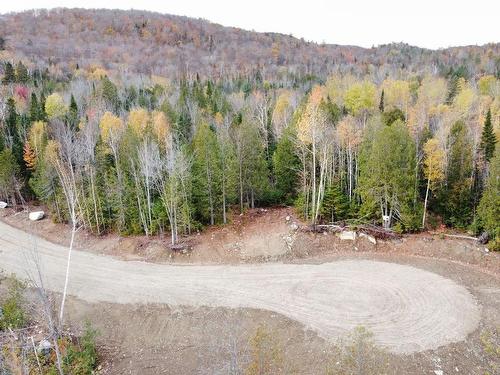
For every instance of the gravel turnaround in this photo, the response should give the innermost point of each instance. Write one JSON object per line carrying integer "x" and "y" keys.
{"x": 407, "y": 309}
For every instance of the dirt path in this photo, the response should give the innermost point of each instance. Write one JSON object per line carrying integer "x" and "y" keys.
{"x": 407, "y": 309}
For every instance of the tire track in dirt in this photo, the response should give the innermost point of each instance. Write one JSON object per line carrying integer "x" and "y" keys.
{"x": 406, "y": 308}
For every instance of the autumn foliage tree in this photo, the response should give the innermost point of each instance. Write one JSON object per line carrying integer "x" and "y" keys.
{"x": 434, "y": 159}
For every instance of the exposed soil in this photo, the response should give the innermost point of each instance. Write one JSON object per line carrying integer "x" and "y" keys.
{"x": 257, "y": 235}
{"x": 156, "y": 338}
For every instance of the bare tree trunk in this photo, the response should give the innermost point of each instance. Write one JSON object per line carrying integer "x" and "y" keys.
{"x": 210, "y": 199}
{"x": 224, "y": 219}
{"x": 313, "y": 200}
{"x": 119, "y": 177}
{"x": 66, "y": 279}
{"x": 92, "y": 188}
{"x": 425, "y": 202}
{"x": 241, "y": 183}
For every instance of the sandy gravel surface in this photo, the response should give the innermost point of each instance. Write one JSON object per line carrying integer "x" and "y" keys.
{"x": 407, "y": 309}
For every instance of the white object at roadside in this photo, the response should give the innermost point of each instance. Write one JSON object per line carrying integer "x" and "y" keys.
{"x": 3, "y": 204}
{"x": 368, "y": 237}
{"x": 44, "y": 346}
{"x": 347, "y": 235}
{"x": 36, "y": 215}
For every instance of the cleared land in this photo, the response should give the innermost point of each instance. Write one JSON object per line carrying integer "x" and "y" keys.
{"x": 407, "y": 309}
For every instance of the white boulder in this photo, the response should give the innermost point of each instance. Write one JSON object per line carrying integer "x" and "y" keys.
{"x": 44, "y": 347}
{"x": 347, "y": 235}
{"x": 3, "y": 204}
{"x": 36, "y": 215}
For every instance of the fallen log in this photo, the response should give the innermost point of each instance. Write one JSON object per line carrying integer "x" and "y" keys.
{"x": 455, "y": 236}
{"x": 378, "y": 232}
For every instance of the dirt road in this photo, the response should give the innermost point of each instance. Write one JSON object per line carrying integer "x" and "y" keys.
{"x": 407, "y": 309}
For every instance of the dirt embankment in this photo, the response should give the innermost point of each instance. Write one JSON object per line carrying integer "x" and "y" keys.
{"x": 259, "y": 235}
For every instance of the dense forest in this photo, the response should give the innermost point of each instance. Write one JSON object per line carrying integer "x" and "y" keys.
{"x": 137, "y": 122}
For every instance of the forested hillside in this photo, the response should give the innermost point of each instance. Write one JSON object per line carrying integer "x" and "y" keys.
{"x": 173, "y": 46}
{"x": 144, "y": 123}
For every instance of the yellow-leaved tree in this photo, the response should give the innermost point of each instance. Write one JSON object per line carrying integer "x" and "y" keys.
{"x": 314, "y": 135}
{"x": 37, "y": 137}
{"x": 350, "y": 136}
{"x": 161, "y": 129}
{"x": 110, "y": 126}
{"x": 397, "y": 94}
{"x": 434, "y": 163}
{"x": 359, "y": 99}
{"x": 138, "y": 120}
{"x": 55, "y": 106}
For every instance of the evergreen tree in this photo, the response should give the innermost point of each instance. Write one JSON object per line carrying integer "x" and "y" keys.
{"x": 11, "y": 121}
{"x": 387, "y": 178}
{"x": 42, "y": 114}
{"x": 9, "y": 177}
{"x": 456, "y": 197}
{"x": 489, "y": 207}
{"x": 110, "y": 94}
{"x": 488, "y": 138}
{"x": 34, "y": 108}
{"x": 22, "y": 75}
{"x": 381, "y": 104}
{"x": 183, "y": 126}
{"x": 207, "y": 175}
{"x": 332, "y": 110}
{"x": 72, "y": 116}
{"x": 9, "y": 74}
{"x": 390, "y": 117}
{"x": 252, "y": 167}
{"x": 335, "y": 205}
{"x": 286, "y": 165}
{"x": 209, "y": 89}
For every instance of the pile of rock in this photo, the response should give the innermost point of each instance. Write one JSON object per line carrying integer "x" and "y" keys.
{"x": 351, "y": 235}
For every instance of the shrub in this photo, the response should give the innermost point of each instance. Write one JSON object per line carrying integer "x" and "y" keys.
{"x": 267, "y": 354}
{"x": 13, "y": 315}
{"x": 81, "y": 357}
{"x": 358, "y": 355}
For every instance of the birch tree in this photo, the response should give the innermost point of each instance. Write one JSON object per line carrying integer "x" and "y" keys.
{"x": 316, "y": 137}
{"x": 149, "y": 164}
{"x": 61, "y": 153}
{"x": 350, "y": 137}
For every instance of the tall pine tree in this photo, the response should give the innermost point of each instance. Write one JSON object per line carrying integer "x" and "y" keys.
{"x": 488, "y": 138}
{"x": 34, "y": 108}
{"x": 72, "y": 115}
{"x": 381, "y": 104}
{"x": 22, "y": 75}
{"x": 207, "y": 175}
{"x": 9, "y": 74}
{"x": 455, "y": 199}
{"x": 286, "y": 165}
